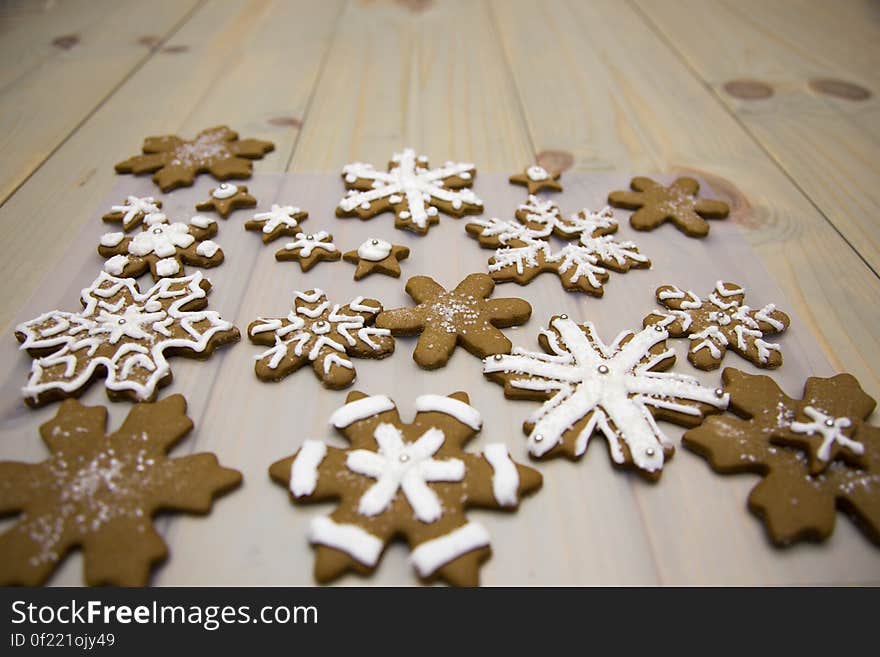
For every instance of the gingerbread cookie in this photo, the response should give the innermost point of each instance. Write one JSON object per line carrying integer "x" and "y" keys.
{"x": 720, "y": 322}
{"x": 815, "y": 454}
{"x": 99, "y": 492}
{"x": 590, "y": 387}
{"x": 175, "y": 162}
{"x": 323, "y": 335}
{"x": 523, "y": 250}
{"x": 407, "y": 480}
{"x": 537, "y": 179}
{"x": 135, "y": 210}
{"x": 377, "y": 256}
{"x": 415, "y": 193}
{"x": 122, "y": 334}
{"x": 654, "y": 204}
{"x": 281, "y": 220}
{"x": 162, "y": 248}
{"x": 310, "y": 249}
{"x": 226, "y": 198}
{"x": 462, "y": 316}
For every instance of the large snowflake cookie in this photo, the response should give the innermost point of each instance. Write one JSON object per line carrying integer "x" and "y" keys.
{"x": 404, "y": 480}
{"x": 720, "y": 322}
{"x": 816, "y": 455}
{"x": 324, "y": 335}
{"x": 135, "y": 210}
{"x": 465, "y": 316}
{"x": 413, "y": 191}
{"x": 618, "y": 390}
{"x": 654, "y": 204}
{"x": 309, "y": 249}
{"x": 278, "y": 221}
{"x": 122, "y": 334}
{"x": 175, "y": 162}
{"x": 162, "y": 248}
{"x": 99, "y": 492}
{"x": 523, "y": 249}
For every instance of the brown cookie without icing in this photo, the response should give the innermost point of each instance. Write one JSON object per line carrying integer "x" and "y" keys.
{"x": 775, "y": 437}
{"x": 443, "y": 319}
{"x": 99, "y": 492}
{"x": 654, "y": 204}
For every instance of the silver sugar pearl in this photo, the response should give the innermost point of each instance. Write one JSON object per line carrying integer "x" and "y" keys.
{"x": 404, "y": 458}
{"x": 829, "y": 422}
{"x": 563, "y": 317}
{"x": 719, "y": 392}
{"x": 498, "y": 357}
{"x": 157, "y": 231}
{"x": 310, "y": 237}
{"x": 603, "y": 369}
{"x": 657, "y": 327}
{"x": 650, "y": 451}
{"x": 538, "y": 437}
{"x": 374, "y": 242}
{"x": 121, "y": 320}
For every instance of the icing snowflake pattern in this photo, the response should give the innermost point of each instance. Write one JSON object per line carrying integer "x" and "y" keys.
{"x": 720, "y": 322}
{"x": 123, "y": 334}
{"x": 413, "y": 191}
{"x": 134, "y": 210}
{"x": 615, "y": 389}
{"x": 325, "y": 335}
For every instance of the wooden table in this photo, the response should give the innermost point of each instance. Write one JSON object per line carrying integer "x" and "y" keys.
{"x": 774, "y": 103}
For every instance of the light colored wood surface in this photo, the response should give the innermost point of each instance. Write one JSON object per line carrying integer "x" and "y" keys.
{"x": 615, "y": 86}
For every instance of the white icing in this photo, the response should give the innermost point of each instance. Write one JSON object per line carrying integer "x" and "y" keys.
{"x": 167, "y": 267}
{"x": 437, "y": 552}
{"x": 225, "y": 190}
{"x": 161, "y": 239}
{"x": 135, "y": 207}
{"x": 111, "y": 239}
{"x": 830, "y": 435}
{"x": 308, "y": 243}
{"x": 537, "y": 173}
{"x": 374, "y": 250}
{"x": 617, "y": 399}
{"x": 505, "y": 477}
{"x": 407, "y": 467}
{"x": 116, "y": 264}
{"x": 201, "y": 221}
{"x": 411, "y": 183}
{"x": 304, "y": 470}
{"x": 207, "y": 249}
{"x": 140, "y": 329}
{"x": 361, "y": 409}
{"x": 351, "y": 539}
{"x": 464, "y": 413}
{"x": 278, "y": 215}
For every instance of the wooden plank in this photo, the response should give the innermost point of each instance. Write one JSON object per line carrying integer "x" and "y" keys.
{"x": 828, "y": 145}
{"x": 619, "y": 97}
{"x": 432, "y": 77}
{"x": 61, "y": 61}
{"x": 251, "y": 65}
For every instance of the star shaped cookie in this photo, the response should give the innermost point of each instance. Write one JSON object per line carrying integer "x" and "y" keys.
{"x": 279, "y": 221}
{"x": 537, "y": 179}
{"x": 465, "y": 316}
{"x": 309, "y": 249}
{"x": 377, "y": 256}
{"x": 226, "y": 198}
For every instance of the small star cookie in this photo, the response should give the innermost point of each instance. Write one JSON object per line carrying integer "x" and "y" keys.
{"x": 309, "y": 249}
{"x": 135, "y": 210}
{"x": 537, "y": 179}
{"x": 226, "y": 198}
{"x": 654, "y": 204}
{"x": 281, "y": 220}
{"x": 443, "y": 319}
{"x": 377, "y": 256}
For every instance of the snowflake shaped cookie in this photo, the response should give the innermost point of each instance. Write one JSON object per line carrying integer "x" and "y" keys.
{"x": 99, "y": 491}
{"x": 280, "y": 220}
{"x": 176, "y": 162}
{"x": 654, "y": 204}
{"x": 465, "y": 316}
{"x": 162, "y": 248}
{"x": 227, "y": 197}
{"x": 122, "y": 334}
{"x": 590, "y": 387}
{"x": 815, "y": 455}
{"x": 412, "y": 481}
{"x": 523, "y": 250}
{"x": 720, "y": 322}
{"x": 309, "y": 249}
{"x": 324, "y": 335}
{"x": 135, "y": 210}
{"x": 415, "y": 193}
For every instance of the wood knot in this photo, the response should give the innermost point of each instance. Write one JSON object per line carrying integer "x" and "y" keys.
{"x": 286, "y": 121}
{"x": 65, "y": 41}
{"x": 555, "y": 161}
{"x": 839, "y": 89}
{"x": 174, "y": 50}
{"x": 149, "y": 40}
{"x": 748, "y": 89}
